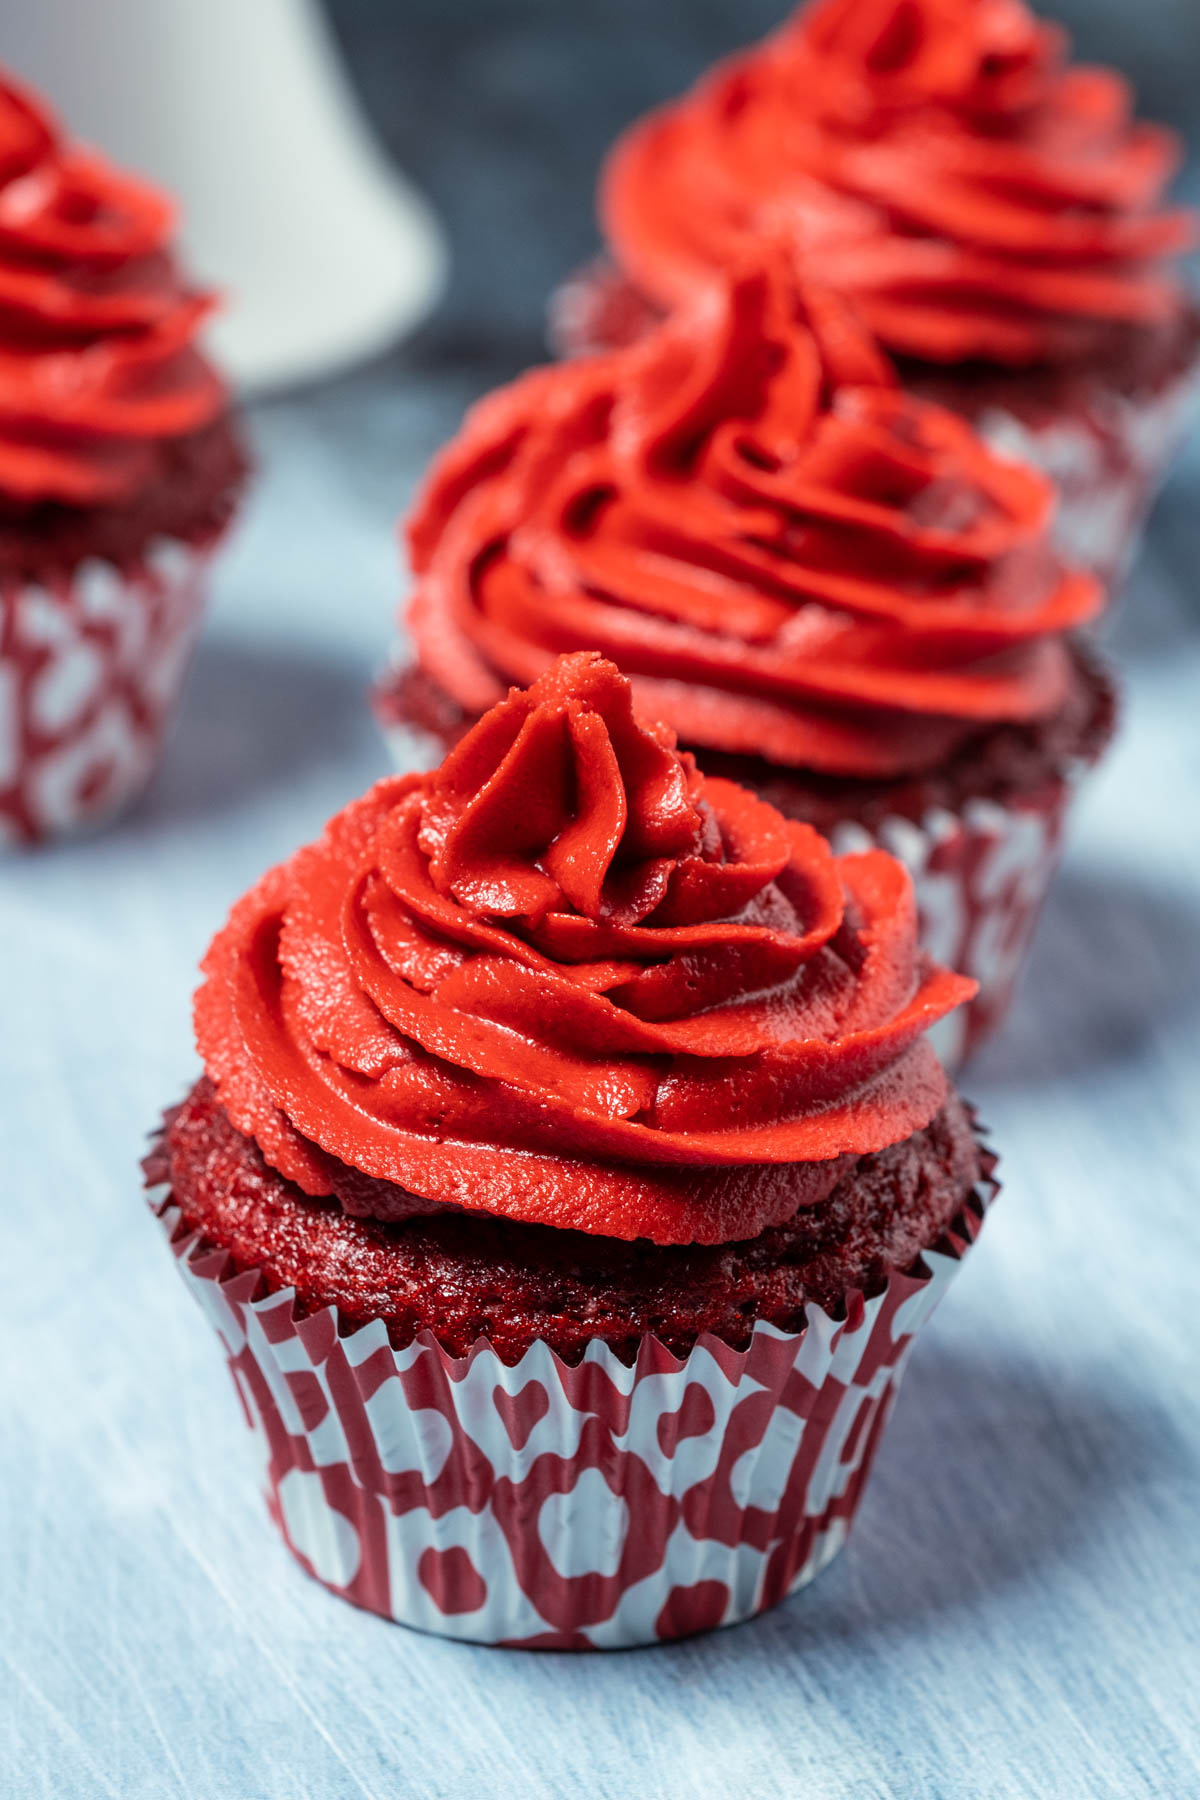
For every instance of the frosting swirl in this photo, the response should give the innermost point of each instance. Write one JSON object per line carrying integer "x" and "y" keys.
{"x": 788, "y": 556}
{"x": 937, "y": 160}
{"x": 98, "y": 357}
{"x": 564, "y": 979}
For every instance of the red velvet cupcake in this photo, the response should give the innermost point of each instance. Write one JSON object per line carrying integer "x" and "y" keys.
{"x": 568, "y": 1179}
{"x": 994, "y": 213}
{"x": 119, "y": 468}
{"x": 834, "y": 592}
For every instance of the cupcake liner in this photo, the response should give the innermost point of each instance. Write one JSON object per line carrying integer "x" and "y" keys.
{"x": 1108, "y": 464}
{"x": 89, "y": 672}
{"x": 980, "y": 877}
{"x": 547, "y": 1506}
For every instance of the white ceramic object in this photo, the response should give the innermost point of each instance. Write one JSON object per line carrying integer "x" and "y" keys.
{"x": 242, "y": 110}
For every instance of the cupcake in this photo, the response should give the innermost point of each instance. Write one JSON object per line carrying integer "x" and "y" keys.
{"x": 569, "y": 1177}
{"x": 834, "y": 592}
{"x": 119, "y": 467}
{"x": 994, "y": 212}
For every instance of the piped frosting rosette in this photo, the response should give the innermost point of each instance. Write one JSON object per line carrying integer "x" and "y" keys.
{"x": 788, "y": 556}
{"x": 939, "y": 161}
{"x": 99, "y": 360}
{"x": 798, "y": 564}
{"x": 119, "y": 468}
{"x": 566, "y": 980}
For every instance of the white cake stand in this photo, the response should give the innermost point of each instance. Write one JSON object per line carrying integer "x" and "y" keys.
{"x": 241, "y": 109}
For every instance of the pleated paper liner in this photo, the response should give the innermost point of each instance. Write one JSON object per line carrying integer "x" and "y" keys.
{"x": 1108, "y": 463}
{"x": 550, "y": 1506}
{"x": 90, "y": 670}
{"x": 981, "y": 875}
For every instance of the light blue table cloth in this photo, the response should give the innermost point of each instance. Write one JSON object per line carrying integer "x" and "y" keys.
{"x": 1016, "y": 1612}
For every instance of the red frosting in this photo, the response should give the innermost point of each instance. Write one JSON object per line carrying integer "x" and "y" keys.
{"x": 98, "y": 362}
{"x": 936, "y": 159}
{"x": 788, "y": 556}
{"x": 564, "y": 979}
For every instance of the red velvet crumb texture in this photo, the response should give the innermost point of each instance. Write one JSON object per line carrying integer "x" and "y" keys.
{"x": 466, "y": 1276}
{"x": 1131, "y": 364}
{"x": 191, "y": 498}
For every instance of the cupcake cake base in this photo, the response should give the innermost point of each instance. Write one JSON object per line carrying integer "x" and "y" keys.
{"x": 486, "y": 1491}
{"x": 1105, "y": 431}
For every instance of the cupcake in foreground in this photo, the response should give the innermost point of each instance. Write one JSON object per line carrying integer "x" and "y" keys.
{"x": 995, "y": 213}
{"x": 569, "y": 1177}
{"x": 119, "y": 469}
{"x": 834, "y": 593}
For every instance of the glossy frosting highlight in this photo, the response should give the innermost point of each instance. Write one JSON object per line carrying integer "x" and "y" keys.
{"x": 98, "y": 356}
{"x": 788, "y": 556}
{"x": 937, "y": 160}
{"x": 564, "y": 979}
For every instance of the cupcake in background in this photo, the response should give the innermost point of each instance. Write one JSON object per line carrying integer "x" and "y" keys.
{"x": 834, "y": 592}
{"x": 569, "y": 1177}
{"x": 119, "y": 469}
{"x": 994, "y": 212}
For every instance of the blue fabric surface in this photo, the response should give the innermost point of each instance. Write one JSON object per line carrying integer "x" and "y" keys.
{"x": 1015, "y": 1614}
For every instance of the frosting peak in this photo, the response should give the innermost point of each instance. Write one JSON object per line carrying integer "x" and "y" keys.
{"x": 567, "y": 980}
{"x": 986, "y": 59}
{"x": 558, "y": 799}
{"x": 99, "y": 363}
{"x": 938, "y": 160}
{"x": 788, "y": 556}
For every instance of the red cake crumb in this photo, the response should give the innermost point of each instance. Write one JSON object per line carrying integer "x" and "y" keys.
{"x": 1135, "y": 363}
{"x": 463, "y": 1276}
{"x": 996, "y": 764}
{"x": 190, "y": 498}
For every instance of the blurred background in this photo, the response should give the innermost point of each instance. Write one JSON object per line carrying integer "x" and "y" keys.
{"x": 388, "y": 191}
{"x": 1018, "y": 1596}
{"x": 498, "y": 110}
{"x": 502, "y": 109}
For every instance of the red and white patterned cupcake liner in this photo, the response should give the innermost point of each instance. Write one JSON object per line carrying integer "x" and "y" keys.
{"x": 980, "y": 877}
{"x": 90, "y": 669}
{"x": 1108, "y": 464}
{"x": 546, "y": 1506}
